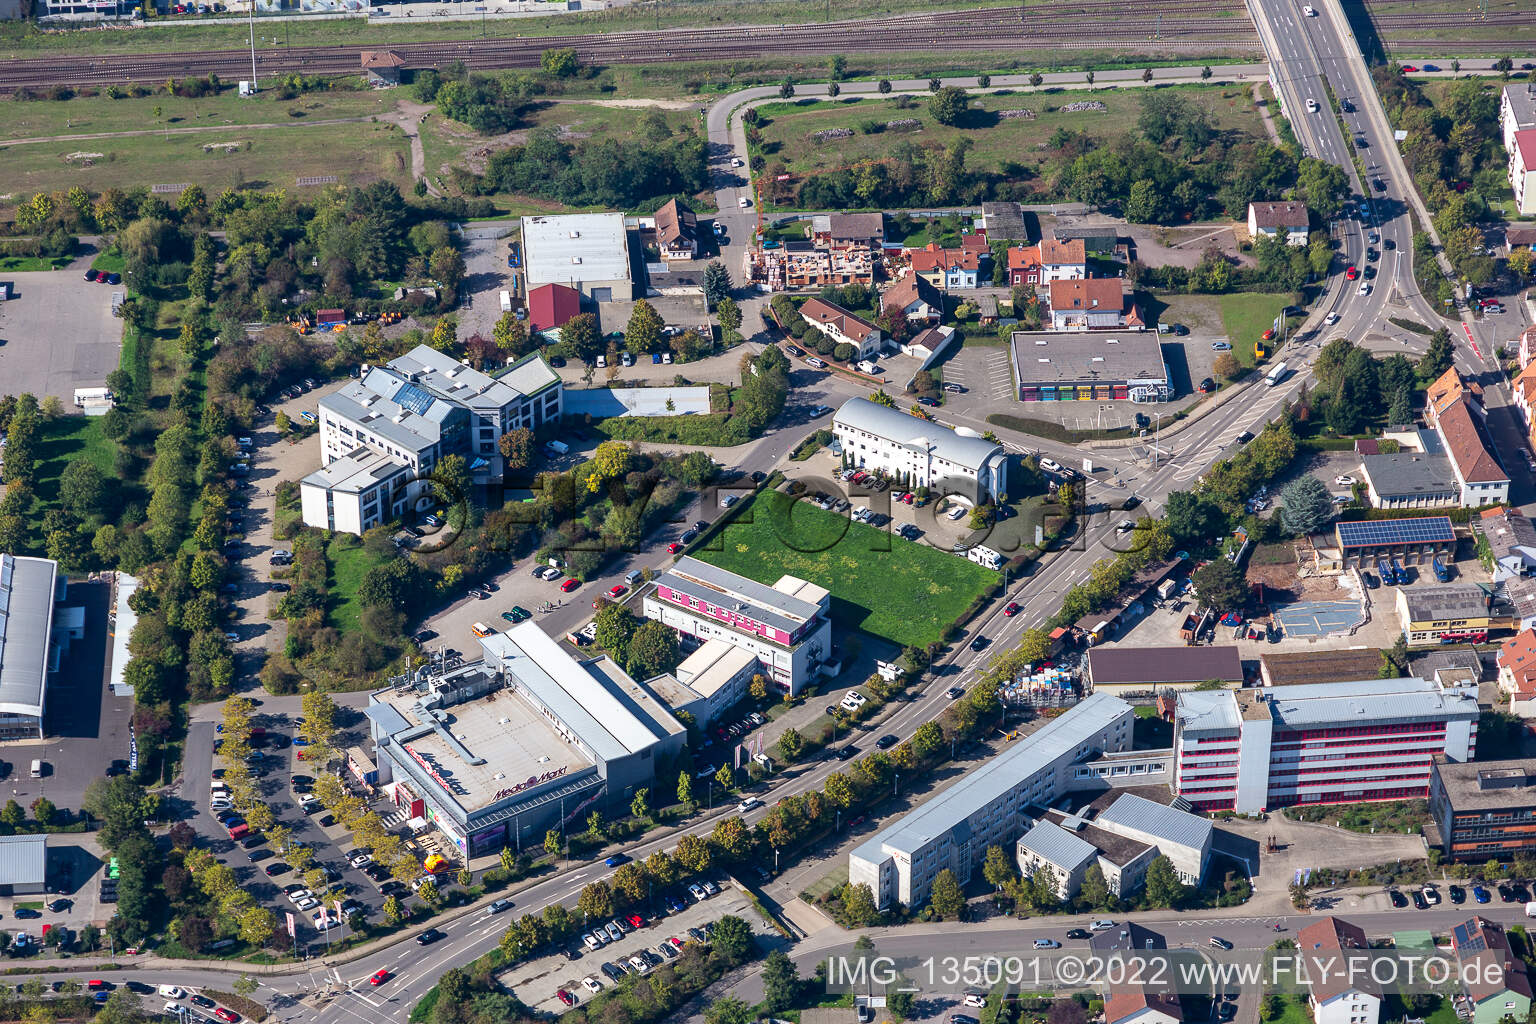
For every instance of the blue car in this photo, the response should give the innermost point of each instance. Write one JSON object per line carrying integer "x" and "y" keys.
{"x": 102, "y": 997}
{"x": 616, "y": 860}
{"x": 1480, "y": 894}
{"x": 656, "y": 357}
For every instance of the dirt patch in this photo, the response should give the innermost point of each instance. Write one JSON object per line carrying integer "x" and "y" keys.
{"x": 228, "y": 147}
{"x": 1283, "y": 586}
{"x": 72, "y": 157}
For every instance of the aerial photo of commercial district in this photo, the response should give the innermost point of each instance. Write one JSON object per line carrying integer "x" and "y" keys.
{"x": 735, "y": 511}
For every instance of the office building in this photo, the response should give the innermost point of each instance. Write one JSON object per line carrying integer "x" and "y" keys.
{"x": 1449, "y": 613}
{"x": 496, "y": 752}
{"x": 989, "y": 806}
{"x": 1410, "y": 480}
{"x": 1258, "y": 750}
{"x": 585, "y": 251}
{"x": 709, "y": 682}
{"x": 1336, "y": 994}
{"x": 1071, "y": 367}
{"x": 1120, "y": 832}
{"x": 383, "y": 434}
{"x": 1485, "y": 810}
{"x": 787, "y": 627}
{"x": 920, "y": 453}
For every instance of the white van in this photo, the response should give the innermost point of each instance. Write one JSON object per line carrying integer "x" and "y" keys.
{"x": 633, "y": 576}
{"x": 985, "y": 556}
{"x": 37, "y": 769}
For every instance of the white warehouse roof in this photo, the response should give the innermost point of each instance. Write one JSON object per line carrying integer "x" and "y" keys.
{"x": 575, "y": 247}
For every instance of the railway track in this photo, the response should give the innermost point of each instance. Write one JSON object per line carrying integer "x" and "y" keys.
{"x": 1185, "y": 26}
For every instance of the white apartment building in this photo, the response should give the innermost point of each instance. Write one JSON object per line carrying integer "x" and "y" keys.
{"x": 988, "y": 806}
{"x": 382, "y": 435}
{"x": 919, "y": 452}
{"x": 1517, "y": 111}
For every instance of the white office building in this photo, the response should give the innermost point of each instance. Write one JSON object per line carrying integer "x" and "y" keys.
{"x": 382, "y": 435}
{"x": 920, "y": 453}
{"x": 988, "y": 806}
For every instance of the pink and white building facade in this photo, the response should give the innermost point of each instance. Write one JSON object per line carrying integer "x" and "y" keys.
{"x": 787, "y": 626}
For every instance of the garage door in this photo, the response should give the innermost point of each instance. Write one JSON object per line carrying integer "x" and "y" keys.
{"x": 602, "y": 294}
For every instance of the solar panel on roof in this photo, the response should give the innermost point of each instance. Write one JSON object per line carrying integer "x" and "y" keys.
{"x": 1430, "y": 530}
{"x": 413, "y": 398}
{"x": 1469, "y": 939}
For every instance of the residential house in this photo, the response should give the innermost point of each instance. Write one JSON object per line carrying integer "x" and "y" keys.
{"x": 382, "y": 66}
{"x": 1094, "y": 303}
{"x": 1337, "y": 994}
{"x": 1494, "y": 979}
{"x": 1524, "y": 389}
{"x": 1023, "y": 265}
{"x": 839, "y": 231}
{"x": 1527, "y": 349}
{"x": 913, "y": 298}
{"x": 1481, "y": 479}
{"x": 1062, "y": 260}
{"x": 1447, "y": 389}
{"x": 1511, "y": 540}
{"x": 1517, "y": 673}
{"x": 948, "y": 269}
{"x": 1522, "y": 171}
{"x": 676, "y": 232}
{"x": 843, "y": 326}
{"x": 551, "y": 306}
{"x": 799, "y": 265}
{"x": 1288, "y": 221}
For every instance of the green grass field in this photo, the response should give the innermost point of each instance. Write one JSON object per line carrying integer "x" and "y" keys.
{"x": 21, "y": 264}
{"x": 994, "y": 139}
{"x": 904, "y": 592}
{"x": 357, "y": 153}
{"x": 68, "y": 439}
{"x": 1245, "y": 316}
{"x": 349, "y": 564}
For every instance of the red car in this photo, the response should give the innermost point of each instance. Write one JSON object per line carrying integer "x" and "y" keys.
{"x": 566, "y": 997}
{"x": 1269, "y": 334}
{"x": 1351, "y": 273}
{"x": 635, "y": 921}
{"x": 379, "y": 976}
{"x": 674, "y": 548}
{"x": 570, "y": 585}
{"x": 227, "y": 1016}
{"x": 1012, "y": 609}
{"x": 907, "y": 497}
{"x": 1409, "y": 69}
{"x": 618, "y": 591}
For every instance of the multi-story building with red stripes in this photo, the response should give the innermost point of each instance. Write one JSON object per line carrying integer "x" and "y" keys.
{"x": 1259, "y": 749}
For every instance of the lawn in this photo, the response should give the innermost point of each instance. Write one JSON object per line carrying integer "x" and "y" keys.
{"x": 1245, "y": 316}
{"x": 68, "y": 439}
{"x": 350, "y": 562}
{"x": 91, "y": 115}
{"x": 995, "y": 140}
{"x": 1295, "y": 1011}
{"x": 21, "y": 264}
{"x": 253, "y": 156}
{"x": 902, "y": 591}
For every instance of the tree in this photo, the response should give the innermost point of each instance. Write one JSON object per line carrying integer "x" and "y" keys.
{"x": 935, "y": 84}
{"x": 1205, "y": 72}
{"x": 445, "y": 335}
{"x": 729, "y": 1010}
{"x": 1226, "y": 366}
{"x": 516, "y": 448}
{"x": 581, "y": 336}
{"x": 644, "y": 331}
{"x": 43, "y": 810}
{"x": 562, "y": 63}
{"x": 1144, "y": 204}
{"x": 692, "y": 853}
{"x": 12, "y": 814}
{"x": 596, "y": 900}
{"x": 791, "y": 744}
{"x": 1146, "y": 75}
{"x": 1438, "y": 357}
{"x": 732, "y": 939}
{"x": 1306, "y": 505}
{"x": 1163, "y": 886}
{"x": 552, "y": 842}
{"x": 717, "y": 282}
{"x": 884, "y": 86}
{"x": 1193, "y": 517}
{"x": 83, "y": 489}
{"x": 946, "y": 896}
{"x": 394, "y": 910}
{"x": 949, "y": 104}
{"x": 1094, "y": 888}
{"x": 510, "y": 336}
{"x": 652, "y": 650}
{"x": 640, "y": 806}
{"x": 998, "y": 868}
{"x": 859, "y": 906}
{"x": 781, "y": 982}
{"x": 732, "y": 838}
{"x": 1221, "y": 585}
{"x": 447, "y": 267}
{"x": 837, "y": 67}
{"x": 786, "y": 89}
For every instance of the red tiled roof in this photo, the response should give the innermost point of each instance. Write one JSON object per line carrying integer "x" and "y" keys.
{"x": 1325, "y": 939}
{"x": 381, "y": 59}
{"x": 820, "y": 311}
{"x": 1525, "y": 145}
{"x": 1465, "y": 445}
{"x": 1448, "y": 388}
{"x": 674, "y": 225}
{"x": 933, "y": 258}
{"x": 975, "y": 243}
{"x": 1023, "y": 257}
{"x": 1071, "y": 252}
{"x": 1518, "y": 655}
{"x": 908, "y": 290}
{"x": 552, "y": 305}
{"x": 1088, "y": 293}
{"x": 1126, "y": 1002}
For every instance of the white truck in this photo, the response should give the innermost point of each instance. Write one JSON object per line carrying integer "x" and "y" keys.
{"x": 985, "y": 556}
{"x": 1276, "y": 375}
{"x": 1530, "y": 910}
{"x": 506, "y": 302}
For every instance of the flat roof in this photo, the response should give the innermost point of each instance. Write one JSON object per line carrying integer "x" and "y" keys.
{"x": 1057, "y": 738}
{"x": 713, "y": 665}
{"x": 1163, "y": 665}
{"x": 1356, "y": 702}
{"x": 507, "y": 740}
{"x": 1079, "y": 357}
{"x": 968, "y": 450}
{"x": 1447, "y": 601}
{"x": 1155, "y": 819}
{"x": 357, "y": 472}
{"x": 1479, "y": 785}
{"x": 1319, "y": 666}
{"x": 722, "y": 587}
{"x": 27, "y": 590}
{"x": 23, "y": 859}
{"x": 574, "y": 247}
{"x": 462, "y": 384}
{"x": 577, "y": 697}
{"x": 638, "y": 700}
{"x": 1382, "y": 532}
{"x": 413, "y": 422}
{"x": 1112, "y": 846}
{"x": 1404, "y": 475}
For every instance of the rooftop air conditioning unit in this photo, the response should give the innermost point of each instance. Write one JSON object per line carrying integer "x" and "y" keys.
{"x": 575, "y": 234}
{"x": 575, "y": 259}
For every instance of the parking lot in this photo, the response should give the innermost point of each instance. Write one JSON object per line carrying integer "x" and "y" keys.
{"x": 57, "y": 333}
{"x": 538, "y": 982}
